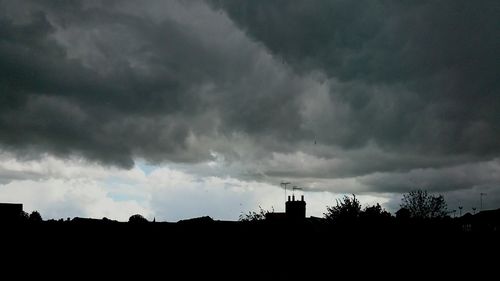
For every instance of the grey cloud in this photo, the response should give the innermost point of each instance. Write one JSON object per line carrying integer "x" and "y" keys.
{"x": 417, "y": 77}
{"x": 464, "y": 176}
{"x": 364, "y": 93}
{"x": 374, "y": 40}
{"x": 7, "y": 176}
{"x": 114, "y": 82}
{"x": 460, "y": 184}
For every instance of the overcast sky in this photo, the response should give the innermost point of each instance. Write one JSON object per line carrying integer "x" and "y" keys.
{"x": 177, "y": 109}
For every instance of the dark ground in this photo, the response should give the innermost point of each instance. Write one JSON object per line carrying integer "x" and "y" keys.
{"x": 213, "y": 250}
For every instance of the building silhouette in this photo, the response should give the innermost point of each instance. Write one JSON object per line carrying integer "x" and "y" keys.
{"x": 10, "y": 212}
{"x": 294, "y": 210}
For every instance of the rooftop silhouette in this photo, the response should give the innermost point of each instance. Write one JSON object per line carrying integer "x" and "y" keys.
{"x": 259, "y": 249}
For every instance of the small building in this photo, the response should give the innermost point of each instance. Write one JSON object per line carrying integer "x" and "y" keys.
{"x": 10, "y": 212}
{"x": 403, "y": 214}
{"x": 294, "y": 210}
{"x": 484, "y": 221}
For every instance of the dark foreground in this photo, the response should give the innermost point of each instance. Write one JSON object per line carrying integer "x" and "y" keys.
{"x": 213, "y": 250}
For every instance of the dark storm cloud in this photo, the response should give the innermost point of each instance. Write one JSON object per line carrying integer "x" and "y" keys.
{"x": 413, "y": 92}
{"x": 117, "y": 80}
{"x": 54, "y": 103}
{"x": 375, "y": 91}
{"x": 419, "y": 76}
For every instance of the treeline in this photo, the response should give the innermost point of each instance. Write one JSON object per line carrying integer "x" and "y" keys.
{"x": 417, "y": 207}
{"x": 416, "y": 204}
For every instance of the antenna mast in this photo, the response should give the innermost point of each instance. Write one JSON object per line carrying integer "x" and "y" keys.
{"x": 284, "y": 184}
{"x": 481, "y": 198}
{"x": 295, "y": 188}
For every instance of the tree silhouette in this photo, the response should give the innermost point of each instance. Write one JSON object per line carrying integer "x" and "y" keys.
{"x": 137, "y": 219}
{"x": 24, "y": 216}
{"x": 35, "y": 217}
{"x": 347, "y": 210}
{"x": 255, "y": 216}
{"x": 375, "y": 213}
{"x": 422, "y": 205}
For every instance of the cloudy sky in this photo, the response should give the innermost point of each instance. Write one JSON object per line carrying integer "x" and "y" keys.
{"x": 177, "y": 109}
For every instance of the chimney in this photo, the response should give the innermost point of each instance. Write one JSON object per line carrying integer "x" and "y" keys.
{"x": 293, "y": 197}
{"x": 288, "y": 197}
{"x": 302, "y": 198}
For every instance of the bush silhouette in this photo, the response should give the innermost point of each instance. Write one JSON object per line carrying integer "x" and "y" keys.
{"x": 255, "y": 216}
{"x": 23, "y": 216}
{"x": 347, "y": 210}
{"x": 35, "y": 217}
{"x": 137, "y": 219}
{"x": 375, "y": 213}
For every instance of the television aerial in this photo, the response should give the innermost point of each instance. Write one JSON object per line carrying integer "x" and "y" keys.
{"x": 481, "y": 198}
{"x": 295, "y": 188}
{"x": 284, "y": 184}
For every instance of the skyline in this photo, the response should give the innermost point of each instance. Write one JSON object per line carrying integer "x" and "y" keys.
{"x": 177, "y": 109}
